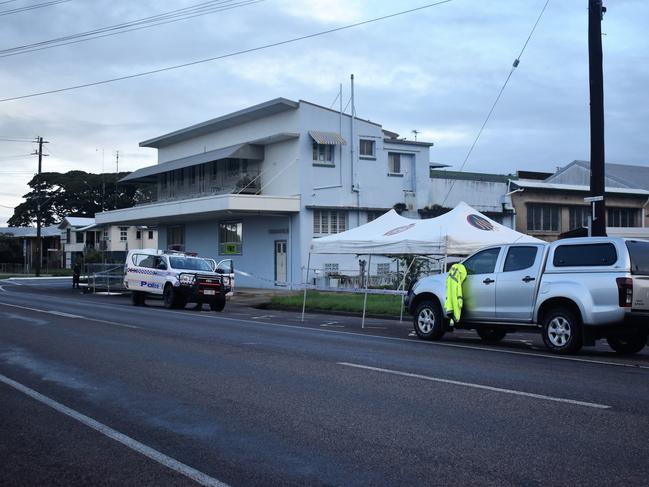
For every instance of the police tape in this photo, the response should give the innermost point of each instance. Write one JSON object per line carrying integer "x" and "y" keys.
{"x": 301, "y": 286}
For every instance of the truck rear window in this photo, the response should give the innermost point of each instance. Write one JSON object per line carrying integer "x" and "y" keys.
{"x": 639, "y": 253}
{"x": 602, "y": 254}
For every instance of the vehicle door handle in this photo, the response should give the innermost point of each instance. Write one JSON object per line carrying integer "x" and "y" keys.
{"x": 529, "y": 278}
{"x": 488, "y": 281}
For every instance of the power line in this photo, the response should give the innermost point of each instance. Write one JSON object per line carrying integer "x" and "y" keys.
{"x": 500, "y": 93}
{"x": 228, "y": 55}
{"x": 31, "y": 7}
{"x": 139, "y": 24}
{"x": 15, "y": 139}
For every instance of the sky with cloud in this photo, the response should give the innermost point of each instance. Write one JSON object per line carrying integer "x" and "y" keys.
{"x": 436, "y": 70}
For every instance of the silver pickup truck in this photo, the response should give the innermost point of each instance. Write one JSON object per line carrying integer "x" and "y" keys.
{"x": 575, "y": 291}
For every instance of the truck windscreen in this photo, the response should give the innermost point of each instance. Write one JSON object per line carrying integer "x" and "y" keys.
{"x": 189, "y": 263}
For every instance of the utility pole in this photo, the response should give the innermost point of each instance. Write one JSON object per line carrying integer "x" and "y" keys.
{"x": 39, "y": 242}
{"x": 597, "y": 160}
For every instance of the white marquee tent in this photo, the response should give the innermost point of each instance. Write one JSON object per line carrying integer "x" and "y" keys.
{"x": 461, "y": 231}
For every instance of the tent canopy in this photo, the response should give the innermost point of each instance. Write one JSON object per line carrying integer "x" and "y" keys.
{"x": 461, "y": 231}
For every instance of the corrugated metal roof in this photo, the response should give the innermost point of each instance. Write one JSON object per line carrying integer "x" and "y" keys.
{"x": 30, "y": 232}
{"x": 575, "y": 187}
{"x": 78, "y": 221}
{"x": 327, "y": 138}
{"x": 243, "y": 151}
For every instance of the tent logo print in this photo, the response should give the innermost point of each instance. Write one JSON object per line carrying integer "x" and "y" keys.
{"x": 479, "y": 222}
{"x": 403, "y": 228}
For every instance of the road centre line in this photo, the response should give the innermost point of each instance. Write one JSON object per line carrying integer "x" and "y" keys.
{"x": 68, "y": 315}
{"x": 477, "y": 386}
{"x": 125, "y": 440}
{"x": 327, "y": 330}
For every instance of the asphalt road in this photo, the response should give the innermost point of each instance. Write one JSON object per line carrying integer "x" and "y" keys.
{"x": 94, "y": 391}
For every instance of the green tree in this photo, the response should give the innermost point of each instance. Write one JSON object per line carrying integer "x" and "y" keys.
{"x": 75, "y": 193}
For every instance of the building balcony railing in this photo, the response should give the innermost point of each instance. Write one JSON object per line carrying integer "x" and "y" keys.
{"x": 212, "y": 185}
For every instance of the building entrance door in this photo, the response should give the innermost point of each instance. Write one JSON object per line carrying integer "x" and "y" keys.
{"x": 280, "y": 262}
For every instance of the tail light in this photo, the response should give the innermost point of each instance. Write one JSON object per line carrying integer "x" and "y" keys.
{"x": 625, "y": 291}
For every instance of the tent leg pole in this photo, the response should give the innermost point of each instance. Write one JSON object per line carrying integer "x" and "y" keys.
{"x": 403, "y": 285}
{"x": 306, "y": 280}
{"x": 367, "y": 283}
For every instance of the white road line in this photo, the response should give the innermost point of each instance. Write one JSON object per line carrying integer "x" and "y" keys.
{"x": 478, "y": 386}
{"x": 127, "y": 441}
{"x": 67, "y": 315}
{"x": 417, "y": 342}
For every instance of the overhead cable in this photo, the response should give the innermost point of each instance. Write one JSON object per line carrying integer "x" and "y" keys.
{"x": 31, "y": 7}
{"x": 228, "y": 55}
{"x": 500, "y": 93}
{"x": 139, "y": 24}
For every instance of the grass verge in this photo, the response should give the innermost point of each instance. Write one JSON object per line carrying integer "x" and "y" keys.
{"x": 379, "y": 304}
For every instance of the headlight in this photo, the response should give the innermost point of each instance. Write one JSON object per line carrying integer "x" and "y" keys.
{"x": 226, "y": 281}
{"x": 187, "y": 279}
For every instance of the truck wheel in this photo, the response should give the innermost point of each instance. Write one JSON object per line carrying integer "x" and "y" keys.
{"x": 562, "y": 331}
{"x": 428, "y": 320}
{"x": 169, "y": 297}
{"x": 628, "y": 344}
{"x": 491, "y": 334}
{"x": 218, "y": 303}
{"x": 137, "y": 298}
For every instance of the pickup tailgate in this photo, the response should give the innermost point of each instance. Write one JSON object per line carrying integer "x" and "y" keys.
{"x": 639, "y": 254}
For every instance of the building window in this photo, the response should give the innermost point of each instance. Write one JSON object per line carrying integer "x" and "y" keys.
{"x": 330, "y": 269}
{"x": 383, "y": 269}
{"x": 367, "y": 148}
{"x": 622, "y": 217}
{"x": 231, "y": 238}
{"x": 373, "y": 215}
{"x": 138, "y": 235}
{"x": 176, "y": 237}
{"x": 394, "y": 163}
{"x": 68, "y": 235}
{"x": 79, "y": 237}
{"x": 329, "y": 221}
{"x": 579, "y": 216}
{"x": 233, "y": 167}
{"x": 123, "y": 234}
{"x": 163, "y": 181}
{"x": 543, "y": 218}
{"x": 323, "y": 153}
{"x": 150, "y": 234}
{"x": 192, "y": 175}
{"x": 105, "y": 235}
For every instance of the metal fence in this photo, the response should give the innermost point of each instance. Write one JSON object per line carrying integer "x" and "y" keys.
{"x": 104, "y": 277}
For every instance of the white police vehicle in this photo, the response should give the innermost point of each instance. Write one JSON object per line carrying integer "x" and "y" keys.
{"x": 178, "y": 278}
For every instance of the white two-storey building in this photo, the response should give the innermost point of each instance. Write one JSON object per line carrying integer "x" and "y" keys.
{"x": 258, "y": 184}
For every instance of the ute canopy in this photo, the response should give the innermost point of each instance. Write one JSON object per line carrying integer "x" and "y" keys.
{"x": 461, "y": 231}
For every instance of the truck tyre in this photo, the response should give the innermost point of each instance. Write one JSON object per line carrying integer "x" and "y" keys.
{"x": 562, "y": 330}
{"x": 428, "y": 320}
{"x": 491, "y": 334}
{"x": 137, "y": 298}
{"x": 218, "y": 303}
{"x": 628, "y": 344}
{"x": 171, "y": 299}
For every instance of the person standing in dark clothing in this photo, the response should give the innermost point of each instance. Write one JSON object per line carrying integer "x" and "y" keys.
{"x": 76, "y": 273}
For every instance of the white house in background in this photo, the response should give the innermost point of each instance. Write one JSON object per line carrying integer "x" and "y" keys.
{"x": 485, "y": 192}
{"x": 258, "y": 184}
{"x": 79, "y": 235}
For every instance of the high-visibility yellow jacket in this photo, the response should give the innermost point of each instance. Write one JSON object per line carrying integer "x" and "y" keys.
{"x": 454, "y": 300}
